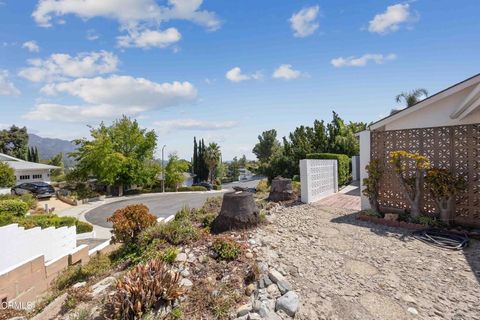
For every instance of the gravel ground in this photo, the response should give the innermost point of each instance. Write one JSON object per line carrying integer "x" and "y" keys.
{"x": 343, "y": 268}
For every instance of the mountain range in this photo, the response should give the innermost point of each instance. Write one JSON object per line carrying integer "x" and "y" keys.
{"x": 49, "y": 147}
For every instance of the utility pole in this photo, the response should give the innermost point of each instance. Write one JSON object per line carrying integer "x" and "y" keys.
{"x": 163, "y": 168}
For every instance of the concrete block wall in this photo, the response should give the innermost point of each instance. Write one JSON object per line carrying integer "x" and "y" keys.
{"x": 319, "y": 178}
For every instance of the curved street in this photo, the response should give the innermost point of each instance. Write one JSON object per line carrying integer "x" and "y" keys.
{"x": 161, "y": 205}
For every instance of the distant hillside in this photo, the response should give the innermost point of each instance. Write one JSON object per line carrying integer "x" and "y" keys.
{"x": 48, "y": 147}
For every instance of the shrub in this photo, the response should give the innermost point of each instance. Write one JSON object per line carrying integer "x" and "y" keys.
{"x": 45, "y": 221}
{"x": 343, "y": 164}
{"x": 74, "y": 297}
{"x": 130, "y": 221}
{"x": 83, "y": 227}
{"x": 193, "y": 188}
{"x": 444, "y": 187}
{"x": 13, "y": 206}
{"x": 226, "y": 248}
{"x": 28, "y": 198}
{"x": 175, "y": 232}
{"x": 262, "y": 186}
{"x": 141, "y": 289}
{"x": 371, "y": 183}
{"x": 169, "y": 255}
{"x": 217, "y": 187}
{"x": 7, "y": 176}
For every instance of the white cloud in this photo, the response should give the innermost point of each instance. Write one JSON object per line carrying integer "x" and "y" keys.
{"x": 285, "y": 71}
{"x": 60, "y": 66}
{"x": 92, "y": 35}
{"x": 192, "y": 124}
{"x": 304, "y": 22}
{"x": 7, "y": 88}
{"x": 111, "y": 97}
{"x": 32, "y": 46}
{"x": 235, "y": 75}
{"x": 126, "y": 12}
{"x": 362, "y": 61}
{"x": 149, "y": 38}
{"x": 391, "y": 19}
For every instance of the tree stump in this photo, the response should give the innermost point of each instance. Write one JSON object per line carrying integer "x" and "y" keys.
{"x": 281, "y": 190}
{"x": 239, "y": 211}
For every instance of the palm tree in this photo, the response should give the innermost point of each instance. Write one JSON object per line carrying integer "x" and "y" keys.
{"x": 212, "y": 157}
{"x": 412, "y": 97}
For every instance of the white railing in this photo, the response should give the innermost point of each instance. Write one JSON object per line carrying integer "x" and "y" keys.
{"x": 18, "y": 244}
{"x": 319, "y": 178}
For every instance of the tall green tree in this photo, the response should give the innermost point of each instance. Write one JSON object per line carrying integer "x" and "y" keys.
{"x": 267, "y": 145}
{"x": 7, "y": 176}
{"x": 117, "y": 155}
{"x": 412, "y": 97}
{"x": 14, "y": 142}
{"x": 212, "y": 158}
{"x": 195, "y": 159}
{"x": 174, "y": 171}
{"x": 57, "y": 174}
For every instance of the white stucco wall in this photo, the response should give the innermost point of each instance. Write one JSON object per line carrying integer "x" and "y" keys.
{"x": 364, "y": 138}
{"x": 436, "y": 114}
{"x": 18, "y": 245}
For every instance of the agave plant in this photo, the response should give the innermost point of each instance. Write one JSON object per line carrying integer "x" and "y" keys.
{"x": 143, "y": 288}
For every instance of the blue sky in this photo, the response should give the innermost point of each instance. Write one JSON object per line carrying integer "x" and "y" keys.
{"x": 224, "y": 70}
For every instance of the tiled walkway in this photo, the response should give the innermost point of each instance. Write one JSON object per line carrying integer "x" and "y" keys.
{"x": 347, "y": 198}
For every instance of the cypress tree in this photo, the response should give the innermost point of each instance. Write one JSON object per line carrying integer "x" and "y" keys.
{"x": 37, "y": 158}
{"x": 195, "y": 159}
{"x": 29, "y": 155}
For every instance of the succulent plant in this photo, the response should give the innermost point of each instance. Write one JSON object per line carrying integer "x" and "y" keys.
{"x": 144, "y": 287}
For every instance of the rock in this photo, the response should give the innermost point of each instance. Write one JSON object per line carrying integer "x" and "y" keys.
{"x": 249, "y": 255}
{"x": 272, "y": 316}
{"x": 181, "y": 257}
{"x": 254, "y": 316}
{"x": 273, "y": 291}
{"x": 412, "y": 311}
{"x": 256, "y": 305}
{"x": 408, "y": 298}
{"x": 186, "y": 283}
{"x": 79, "y": 285}
{"x": 185, "y": 273}
{"x": 250, "y": 289}
{"x": 280, "y": 280}
{"x": 288, "y": 303}
{"x": 252, "y": 242}
{"x": 264, "y": 310}
{"x": 99, "y": 287}
{"x": 243, "y": 310}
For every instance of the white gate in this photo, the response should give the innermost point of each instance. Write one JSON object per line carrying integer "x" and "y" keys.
{"x": 319, "y": 178}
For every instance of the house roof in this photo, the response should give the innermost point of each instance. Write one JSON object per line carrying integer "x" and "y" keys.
{"x": 464, "y": 109}
{"x": 20, "y": 165}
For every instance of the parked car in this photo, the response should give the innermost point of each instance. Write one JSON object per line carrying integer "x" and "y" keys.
{"x": 38, "y": 189}
{"x": 205, "y": 184}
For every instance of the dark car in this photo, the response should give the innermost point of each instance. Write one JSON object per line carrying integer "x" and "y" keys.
{"x": 38, "y": 189}
{"x": 207, "y": 185}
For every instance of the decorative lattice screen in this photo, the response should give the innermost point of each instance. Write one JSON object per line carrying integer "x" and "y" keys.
{"x": 319, "y": 178}
{"x": 456, "y": 148}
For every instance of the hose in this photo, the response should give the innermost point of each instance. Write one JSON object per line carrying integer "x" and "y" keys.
{"x": 442, "y": 239}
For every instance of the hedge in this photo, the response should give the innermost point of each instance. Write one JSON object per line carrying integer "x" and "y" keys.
{"x": 343, "y": 164}
{"x": 217, "y": 187}
{"x": 45, "y": 221}
{"x": 193, "y": 188}
{"x": 13, "y": 206}
{"x": 28, "y": 198}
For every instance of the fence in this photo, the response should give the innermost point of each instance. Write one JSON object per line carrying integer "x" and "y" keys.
{"x": 319, "y": 178}
{"x": 18, "y": 244}
{"x": 456, "y": 148}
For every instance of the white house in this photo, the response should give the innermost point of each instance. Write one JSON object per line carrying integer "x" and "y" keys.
{"x": 26, "y": 171}
{"x": 445, "y": 127}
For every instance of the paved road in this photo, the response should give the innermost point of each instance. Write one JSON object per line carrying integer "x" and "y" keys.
{"x": 161, "y": 205}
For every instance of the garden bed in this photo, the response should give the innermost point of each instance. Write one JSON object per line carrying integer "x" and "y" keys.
{"x": 475, "y": 234}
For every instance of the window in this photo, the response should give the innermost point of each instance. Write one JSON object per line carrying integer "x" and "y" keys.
{"x": 25, "y": 177}
{"x": 37, "y": 176}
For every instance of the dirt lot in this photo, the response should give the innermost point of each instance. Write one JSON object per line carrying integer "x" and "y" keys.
{"x": 348, "y": 269}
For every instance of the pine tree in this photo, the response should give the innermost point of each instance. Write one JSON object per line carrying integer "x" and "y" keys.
{"x": 36, "y": 158}
{"x": 29, "y": 154}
